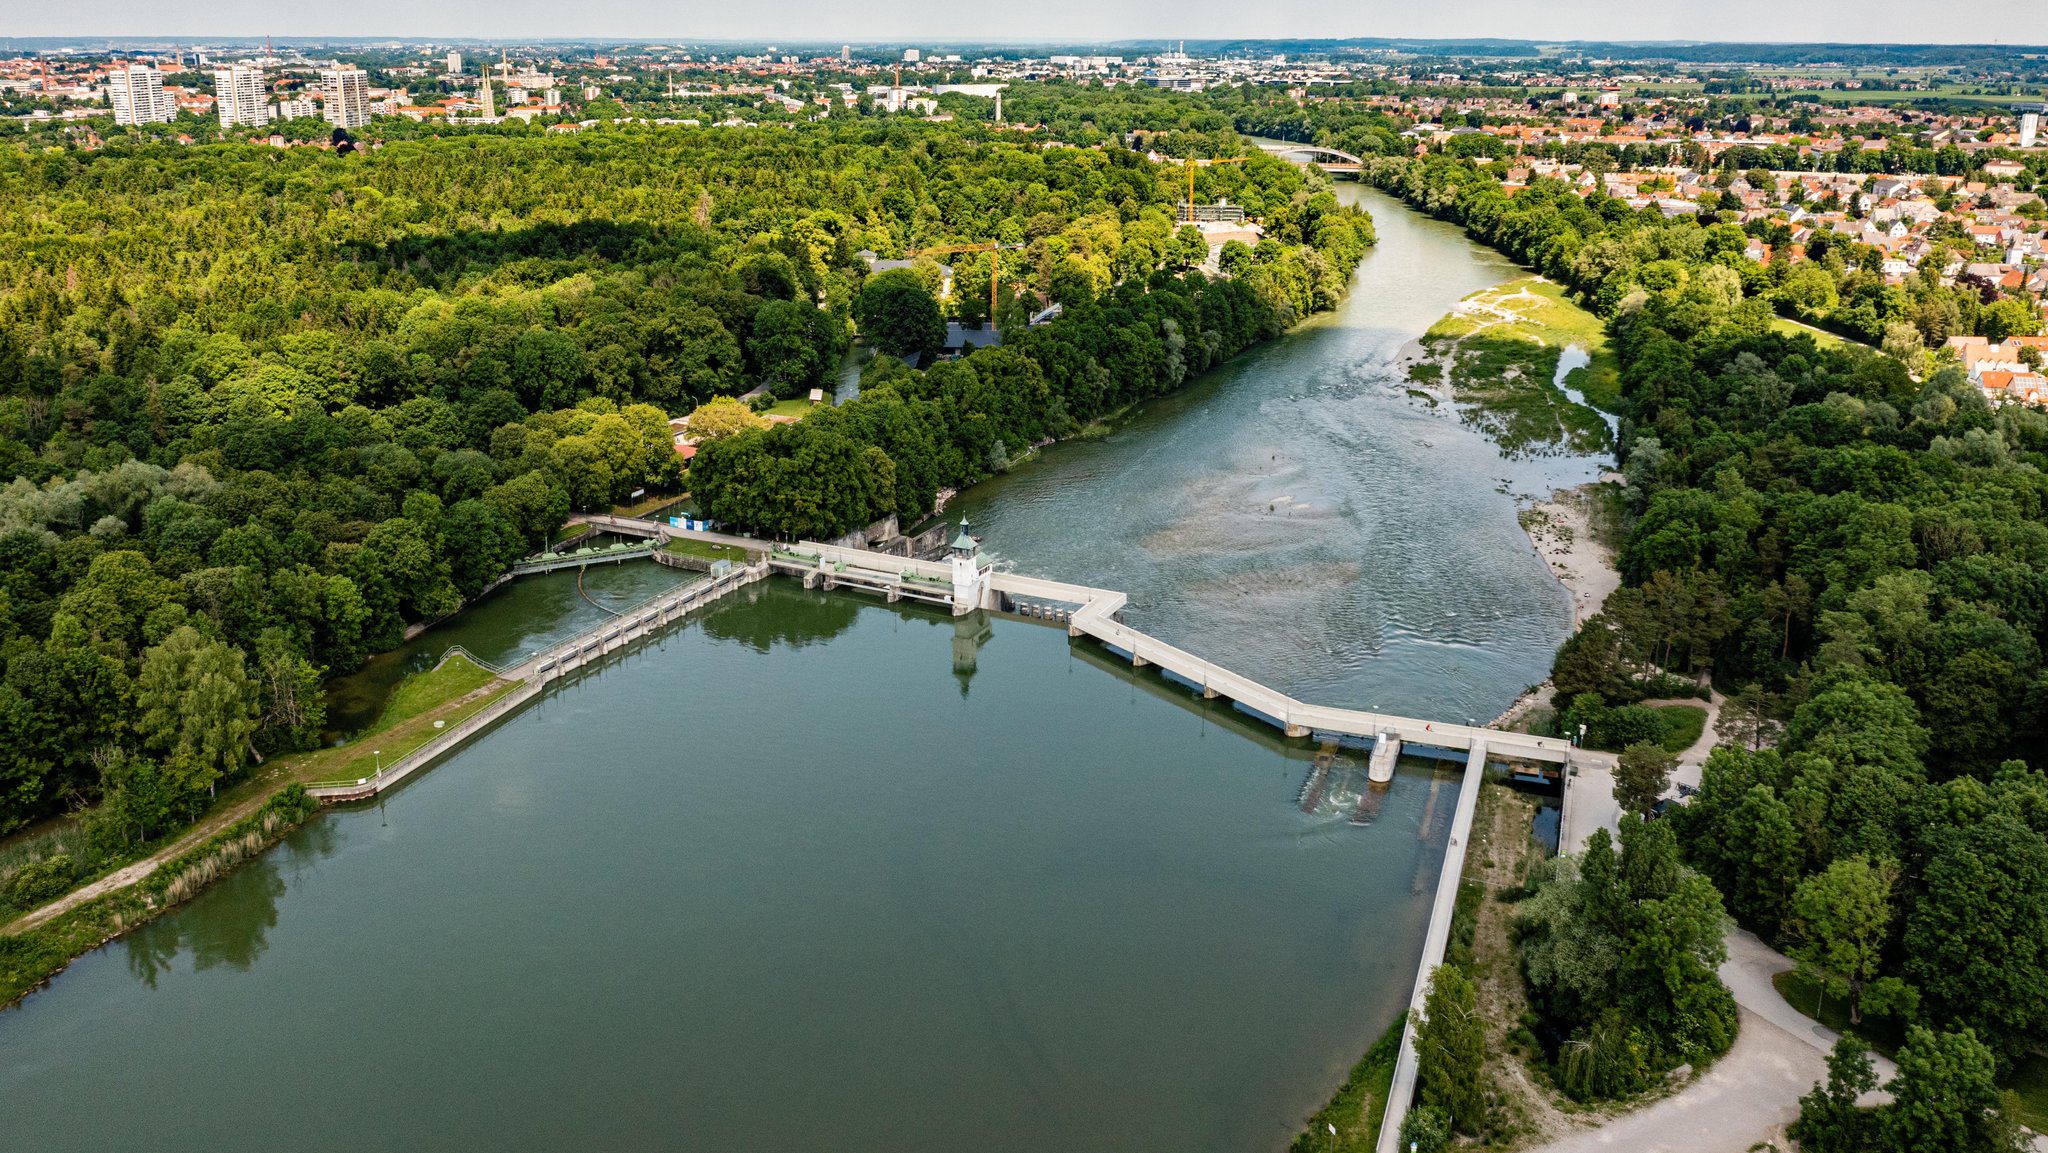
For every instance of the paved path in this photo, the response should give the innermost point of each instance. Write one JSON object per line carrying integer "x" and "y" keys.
{"x": 1752, "y": 1093}
{"x": 1592, "y": 789}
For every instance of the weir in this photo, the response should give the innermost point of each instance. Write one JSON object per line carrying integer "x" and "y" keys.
{"x": 1097, "y": 613}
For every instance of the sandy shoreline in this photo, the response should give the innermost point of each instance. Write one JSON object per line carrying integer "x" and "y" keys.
{"x": 1561, "y": 531}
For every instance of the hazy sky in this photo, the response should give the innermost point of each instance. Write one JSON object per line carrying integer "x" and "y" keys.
{"x": 1977, "y": 21}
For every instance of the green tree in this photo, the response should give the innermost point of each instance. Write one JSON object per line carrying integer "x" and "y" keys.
{"x": 897, "y": 315}
{"x": 1945, "y": 1097}
{"x": 1829, "y": 1120}
{"x": 1845, "y": 915}
{"x": 195, "y": 699}
{"x": 1976, "y": 941}
{"x": 1641, "y": 774}
{"x": 1450, "y": 1050}
{"x": 721, "y": 417}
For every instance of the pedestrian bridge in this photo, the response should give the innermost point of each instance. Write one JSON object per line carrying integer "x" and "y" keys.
{"x": 1097, "y": 614}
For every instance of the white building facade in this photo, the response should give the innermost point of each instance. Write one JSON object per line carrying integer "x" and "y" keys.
{"x": 241, "y": 96}
{"x": 137, "y": 93}
{"x": 348, "y": 96}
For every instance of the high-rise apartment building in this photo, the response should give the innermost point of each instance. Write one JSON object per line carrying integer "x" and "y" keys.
{"x": 348, "y": 96}
{"x": 240, "y": 95}
{"x": 454, "y": 63}
{"x": 2030, "y": 128}
{"x": 137, "y": 93}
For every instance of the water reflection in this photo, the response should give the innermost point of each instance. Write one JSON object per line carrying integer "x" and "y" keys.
{"x": 228, "y": 924}
{"x": 806, "y": 619}
{"x": 523, "y": 617}
{"x": 969, "y": 634}
{"x": 233, "y": 933}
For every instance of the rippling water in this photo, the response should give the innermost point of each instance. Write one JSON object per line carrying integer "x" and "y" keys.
{"x": 1303, "y": 519}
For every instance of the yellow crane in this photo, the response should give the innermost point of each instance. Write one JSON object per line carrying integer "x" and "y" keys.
{"x": 995, "y": 259}
{"x": 1191, "y": 179}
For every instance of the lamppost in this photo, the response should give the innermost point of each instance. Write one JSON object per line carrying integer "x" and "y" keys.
{"x": 379, "y": 754}
{"x": 1333, "y": 1136}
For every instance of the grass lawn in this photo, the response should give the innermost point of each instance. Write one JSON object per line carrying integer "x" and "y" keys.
{"x": 2029, "y": 1079}
{"x": 684, "y": 546}
{"x": 1683, "y": 725}
{"x": 1820, "y": 336}
{"x": 795, "y": 409}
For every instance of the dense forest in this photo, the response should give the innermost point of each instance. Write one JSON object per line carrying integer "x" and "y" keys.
{"x": 263, "y": 409}
{"x": 1853, "y": 546}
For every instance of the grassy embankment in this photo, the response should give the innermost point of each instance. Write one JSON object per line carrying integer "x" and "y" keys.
{"x": 247, "y": 818}
{"x": 1360, "y": 1102}
{"x": 1498, "y": 352}
{"x": 447, "y": 694}
{"x": 1521, "y": 1108}
{"x": 1498, "y": 858}
{"x": 705, "y": 550}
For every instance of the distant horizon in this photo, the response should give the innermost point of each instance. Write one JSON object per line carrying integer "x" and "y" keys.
{"x": 143, "y": 39}
{"x": 1075, "y": 22}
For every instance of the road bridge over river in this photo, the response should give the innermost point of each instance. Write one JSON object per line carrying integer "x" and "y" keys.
{"x": 1328, "y": 159}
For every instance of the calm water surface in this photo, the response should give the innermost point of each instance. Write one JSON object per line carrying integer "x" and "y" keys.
{"x": 793, "y": 877}
{"x": 812, "y": 872}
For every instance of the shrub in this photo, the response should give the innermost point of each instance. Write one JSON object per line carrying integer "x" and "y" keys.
{"x": 1426, "y": 1130}
{"x": 40, "y": 881}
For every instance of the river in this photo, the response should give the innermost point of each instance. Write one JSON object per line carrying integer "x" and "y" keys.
{"x": 1300, "y": 517}
{"x": 816, "y": 872}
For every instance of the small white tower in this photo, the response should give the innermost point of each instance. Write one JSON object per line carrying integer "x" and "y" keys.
{"x": 970, "y": 572}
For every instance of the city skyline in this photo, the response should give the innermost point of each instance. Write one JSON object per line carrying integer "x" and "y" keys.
{"x": 1062, "y": 21}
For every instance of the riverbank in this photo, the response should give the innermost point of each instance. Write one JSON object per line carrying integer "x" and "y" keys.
{"x": 38, "y": 947}
{"x": 1573, "y": 532}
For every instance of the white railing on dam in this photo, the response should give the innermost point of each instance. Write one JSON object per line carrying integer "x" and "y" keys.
{"x": 1097, "y": 618}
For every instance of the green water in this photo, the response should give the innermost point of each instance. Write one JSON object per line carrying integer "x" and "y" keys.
{"x": 811, "y": 872}
{"x": 511, "y": 623}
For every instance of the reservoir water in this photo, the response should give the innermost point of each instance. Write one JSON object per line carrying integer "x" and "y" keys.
{"x": 815, "y": 872}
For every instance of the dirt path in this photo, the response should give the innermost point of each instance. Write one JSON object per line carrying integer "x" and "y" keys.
{"x": 127, "y": 875}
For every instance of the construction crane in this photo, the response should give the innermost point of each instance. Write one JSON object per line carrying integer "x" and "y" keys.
{"x": 1191, "y": 179}
{"x": 994, "y": 264}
